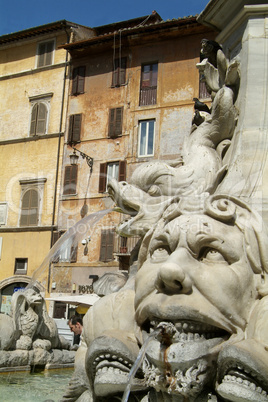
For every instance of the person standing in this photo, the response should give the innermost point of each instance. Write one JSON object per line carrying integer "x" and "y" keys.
{"x": 76, "y": 326}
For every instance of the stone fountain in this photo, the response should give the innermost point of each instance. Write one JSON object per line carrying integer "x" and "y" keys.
{"x": 198, "y": 282}
{"x": 29, "y": 338}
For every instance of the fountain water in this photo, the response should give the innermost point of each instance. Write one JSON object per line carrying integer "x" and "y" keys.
{"x": 29, "y": 337}
{"x": 73, "y": 236}
{"x": 138, "y": 362}
{"x": 36, "y": 387}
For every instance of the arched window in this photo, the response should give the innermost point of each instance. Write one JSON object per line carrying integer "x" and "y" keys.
{"x": 29, "y": 208}
{"x": 38, "y": 119}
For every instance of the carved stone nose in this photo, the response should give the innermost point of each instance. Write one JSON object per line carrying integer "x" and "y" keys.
{"x": 172, "y": 279}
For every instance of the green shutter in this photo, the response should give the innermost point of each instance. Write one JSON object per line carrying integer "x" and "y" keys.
{"x": 81, "y": 79}
{"x": 41, "y": 119}
{"x": 115, "y": 122}
{"x": 103, "y": 177}
{"x": 122, "y": 171}
{"x": 33, "y": 120}
{"x": 29, "y": 208}
{"x": 41, "y": 54}
{"x": 107, "y": 245}
{"x": 76, "y": 127}
{"x": 70, "y": 180}
{"x": 49, "y": 53}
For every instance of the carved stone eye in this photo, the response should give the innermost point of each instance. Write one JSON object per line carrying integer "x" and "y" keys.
{"x": 154, "y": 190}
{"x": 211, "y": 255}
{"x": 160, "y": 253}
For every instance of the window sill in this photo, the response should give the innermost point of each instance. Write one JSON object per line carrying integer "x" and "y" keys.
{"x": 64, "y": 196}
{"x": 118, "y": 86}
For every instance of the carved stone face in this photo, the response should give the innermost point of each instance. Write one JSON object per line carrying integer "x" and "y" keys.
{"x": 33, "y": 297}
{"x": 196, "y": 276}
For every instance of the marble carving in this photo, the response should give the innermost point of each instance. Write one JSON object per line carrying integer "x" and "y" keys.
{"x": 29, "y": 336}
{"x": 198, "y": 281}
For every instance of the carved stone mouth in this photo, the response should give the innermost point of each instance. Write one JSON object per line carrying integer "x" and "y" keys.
{"x": 241, "y": 374}
{"x": 126, "y": 207}
{"x": 239, "y": 381}
{"x": 109, "y": 362}
{"x": 185, "y": 331}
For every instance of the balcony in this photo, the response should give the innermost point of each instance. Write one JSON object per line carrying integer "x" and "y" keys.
{"x": 124, "y": 245}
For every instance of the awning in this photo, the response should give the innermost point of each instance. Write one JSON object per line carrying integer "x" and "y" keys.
{"x": 87, "y": 300}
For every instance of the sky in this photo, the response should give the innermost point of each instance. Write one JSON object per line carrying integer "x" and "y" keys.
{"x": 17, "y": 15}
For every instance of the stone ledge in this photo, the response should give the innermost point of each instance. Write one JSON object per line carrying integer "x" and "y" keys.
{"x": 23, "y": 360}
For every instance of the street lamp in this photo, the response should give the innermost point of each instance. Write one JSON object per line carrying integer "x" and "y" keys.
{"x": 74, "y": 158}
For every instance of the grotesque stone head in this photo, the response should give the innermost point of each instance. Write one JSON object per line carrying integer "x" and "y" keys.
{"x": 202, "y": 272}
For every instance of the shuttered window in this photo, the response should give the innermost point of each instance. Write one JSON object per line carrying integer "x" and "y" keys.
{"x": 115, "y": 170}
{"x": 73, "y": 252}
{"x": 45, "y": 53}
{"x": 29, "y": 208}
{"x": 70, "y": 180}
{"x": 115, "y": 122}
{"x": 74, "y": 133}
{"x": 119, "y": 72}
{"x": 148, "y": 89}
{"x": 78, "y": 80}
{"x": 107, "y": 245}
{"x": 38, "y": 119}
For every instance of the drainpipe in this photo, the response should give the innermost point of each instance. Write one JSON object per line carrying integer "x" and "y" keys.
{"x": 58, "y": 154}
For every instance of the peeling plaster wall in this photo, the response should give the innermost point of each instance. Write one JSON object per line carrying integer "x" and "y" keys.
{"x": 178, "y": 83}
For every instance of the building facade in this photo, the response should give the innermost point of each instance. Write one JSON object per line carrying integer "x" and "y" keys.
{"x": 34, "y": 91}
{"x": 131, "y": 94}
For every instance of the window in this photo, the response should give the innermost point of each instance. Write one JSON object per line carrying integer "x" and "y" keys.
{"x": 146, "y": 137}
{"x": 112, "y": 170}
{"x": 40, "y": 105}
{"x": 74, "y": 128}
{"x": 107, "y": 245}
{"x": 115, "y": 122}
{"x": 3, "y": 213}
{"x": 119, "y": 72}
{"x": 70, "y": 180}
{"x": 29, "y": 208}
{"x": 148, "y": 89}
{"x": 78, "y": 80}
{"x": 66, "y": 251}
{"x": 45, "y": 53}
{"x": 31, "y": 201}
{"x": 21, "y": 266}
{"x": 38, "y": 119}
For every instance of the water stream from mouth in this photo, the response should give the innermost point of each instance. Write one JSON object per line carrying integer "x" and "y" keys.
{"x": 72, "y": 237}
{"x": 138, "y": 362}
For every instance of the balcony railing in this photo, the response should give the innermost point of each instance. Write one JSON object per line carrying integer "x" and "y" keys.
{"x": 124, "y": 245}
{"x": 148, "y": 96}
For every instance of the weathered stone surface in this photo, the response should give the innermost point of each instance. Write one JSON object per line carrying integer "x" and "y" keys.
{"x": 53, "y": 358}
{"x": 196, "y": 318}
{"x": 32, "y": 333}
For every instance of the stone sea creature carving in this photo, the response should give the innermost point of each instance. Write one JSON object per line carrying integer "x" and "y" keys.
{"x": 155, "y": 185}
{"x": 29, "y": 324}
{"x": 202, "y": 277}
{"x": 201, "y": 167}
{"x": 217, "y": 70}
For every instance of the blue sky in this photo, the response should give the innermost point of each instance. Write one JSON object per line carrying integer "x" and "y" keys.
{"x": 16, "y": 15}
